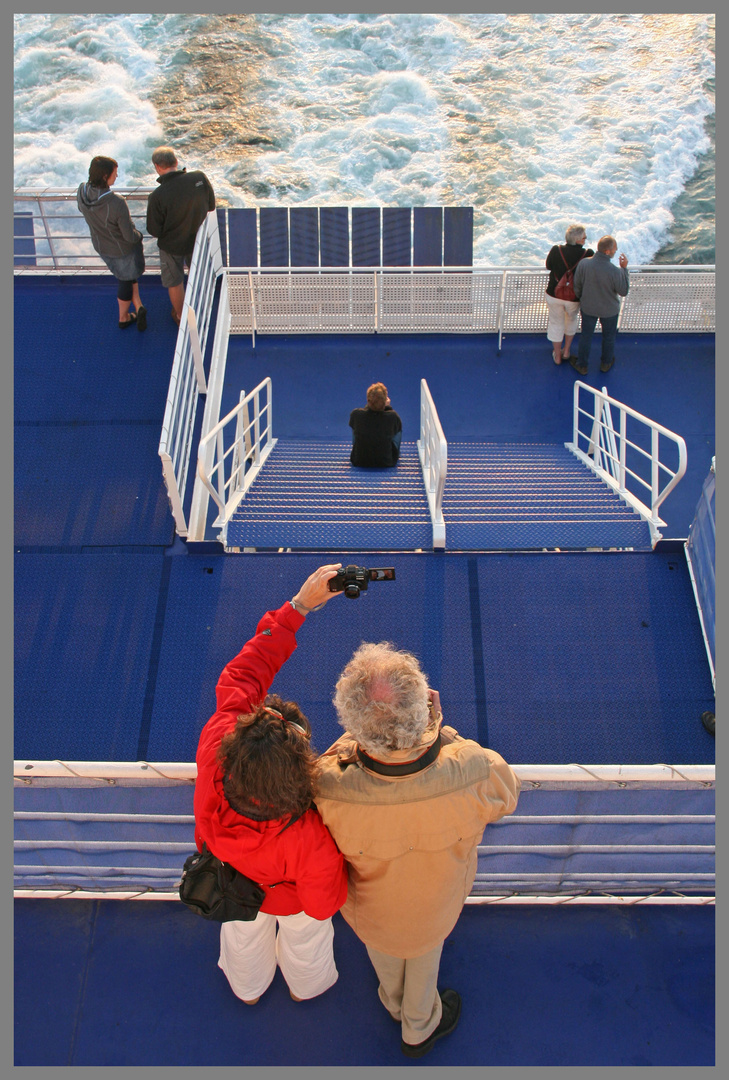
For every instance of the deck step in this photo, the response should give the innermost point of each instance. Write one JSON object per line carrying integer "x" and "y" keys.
{"x": 309, "y": 496}
{"x": 498, "y": 496}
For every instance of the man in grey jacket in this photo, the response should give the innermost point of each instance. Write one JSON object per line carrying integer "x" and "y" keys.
{"x": 598, "y": 285}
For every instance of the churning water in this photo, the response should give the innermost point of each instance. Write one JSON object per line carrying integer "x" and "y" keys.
{"x": 535, "y": 120}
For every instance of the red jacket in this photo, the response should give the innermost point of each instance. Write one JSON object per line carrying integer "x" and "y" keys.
{"x": 304, "y": 857}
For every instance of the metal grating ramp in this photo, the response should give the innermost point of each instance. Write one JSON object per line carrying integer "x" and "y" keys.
{"x": 519, "y": 496}
{"x": 309, "y": 496}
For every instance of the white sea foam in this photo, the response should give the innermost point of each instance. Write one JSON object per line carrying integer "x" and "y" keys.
{"x": 535, "y": 120}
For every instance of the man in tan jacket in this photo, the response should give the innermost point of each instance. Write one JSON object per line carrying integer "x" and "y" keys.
{"x": 406, "y": 800}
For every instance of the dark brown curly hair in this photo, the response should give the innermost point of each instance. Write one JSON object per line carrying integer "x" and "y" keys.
{"x": 269, "y": 765}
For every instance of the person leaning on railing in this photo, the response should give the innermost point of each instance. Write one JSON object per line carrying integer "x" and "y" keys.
{"x": 599, "y": 284}
{"x": 114, "y": 237}
{"x": 175, "y": 211}
{"x": 253, "y": 809}
{"x": 406, "y": 800}
{"x": 564, "y": 314}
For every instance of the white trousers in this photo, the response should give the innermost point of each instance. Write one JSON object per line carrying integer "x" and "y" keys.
{"x": 303, "y": 949}
{"x": 563, "y": 316}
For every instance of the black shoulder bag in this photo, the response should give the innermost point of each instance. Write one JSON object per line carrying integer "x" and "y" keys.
{"x": 217, "y": 891}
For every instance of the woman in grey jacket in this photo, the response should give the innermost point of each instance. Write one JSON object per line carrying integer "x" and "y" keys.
{"x": 114, "y": 237}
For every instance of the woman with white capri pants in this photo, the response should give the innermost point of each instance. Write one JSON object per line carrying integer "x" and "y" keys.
{"x": 564, "y": 314}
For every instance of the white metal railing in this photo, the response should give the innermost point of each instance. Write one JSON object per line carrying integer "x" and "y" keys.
{"x": 606, "y": 450}
{"x": 26, "y": 771}
{"x": 433, "y": 454}
{"x": 277, "y": 300}
{"x": 61, "y": 243}
{"x": 228, "y": 471}
{"x": 700, "y": 549}
{"x": 187, "y": 379}
{"x": 82, "y": 854}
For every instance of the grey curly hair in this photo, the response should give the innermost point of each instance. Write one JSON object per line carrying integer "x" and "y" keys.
{"x": 381, "y": 698}
{"x": 576, "y": 234}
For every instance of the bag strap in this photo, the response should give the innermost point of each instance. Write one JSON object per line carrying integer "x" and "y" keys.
{"x": 566, "y": 263}
{"x": 292, "y": 819}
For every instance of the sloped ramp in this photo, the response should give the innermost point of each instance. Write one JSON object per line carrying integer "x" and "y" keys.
{"x": 521, "y": 496}
{"x": 310, "y": 497}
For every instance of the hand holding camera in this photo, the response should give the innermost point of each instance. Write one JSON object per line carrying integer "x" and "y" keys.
{"x": 353, "y": 580}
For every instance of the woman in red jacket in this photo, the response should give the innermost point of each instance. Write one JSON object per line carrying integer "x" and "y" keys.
{"x": 253, "y": 795}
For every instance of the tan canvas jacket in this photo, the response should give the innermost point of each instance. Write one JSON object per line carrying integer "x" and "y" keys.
{"x": 410, "y": 842}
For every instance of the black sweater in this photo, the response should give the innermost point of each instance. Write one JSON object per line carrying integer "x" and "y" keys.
{"x": 557, "y": 269}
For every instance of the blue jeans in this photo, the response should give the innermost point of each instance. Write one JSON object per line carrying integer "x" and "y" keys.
{"x": 609, "y": 324}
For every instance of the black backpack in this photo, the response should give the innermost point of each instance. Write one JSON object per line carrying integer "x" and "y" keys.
{"x": 216, "y": 890}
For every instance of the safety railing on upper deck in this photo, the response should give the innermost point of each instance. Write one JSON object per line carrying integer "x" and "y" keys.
{"x": 227, "y": 471}
{"x": 187, "y": 379}
{"x": 622, "y": 461}
{"x": 51, "y": 237}
{"x": 468, "y": 300}
{"x": 433, "y": 454}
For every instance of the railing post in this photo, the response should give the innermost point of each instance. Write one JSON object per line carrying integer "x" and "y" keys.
{"x": 654, "y": 474}
{"x": 623, "y": 447}
{"x": 253, "y": 309}
{"x": 220, "y": 450}
{"x": 594, "y": 445}
{"x": 257, "y": 425}
{"x": 500, "y": 313}
{"x": 197, "y": 355}
{"x": 49, "y": 238}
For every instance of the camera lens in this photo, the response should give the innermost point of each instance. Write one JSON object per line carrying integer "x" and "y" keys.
{"x": 351, "y": 590}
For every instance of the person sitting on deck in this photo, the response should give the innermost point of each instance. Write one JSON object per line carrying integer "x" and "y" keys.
{"x": 377, "y": 431}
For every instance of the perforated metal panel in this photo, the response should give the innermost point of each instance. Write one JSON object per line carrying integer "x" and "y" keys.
{"x": 431, "y": 301}
{"x": 672, "y": 301}
{"x": 451, "y": 301}
{"x": 524, "y": 305}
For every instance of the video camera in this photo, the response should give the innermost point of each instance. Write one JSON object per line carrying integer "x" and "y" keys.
{"x": 352, "y": 580}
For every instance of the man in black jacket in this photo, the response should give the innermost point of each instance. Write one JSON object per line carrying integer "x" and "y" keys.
{"x": 175, "y": 211}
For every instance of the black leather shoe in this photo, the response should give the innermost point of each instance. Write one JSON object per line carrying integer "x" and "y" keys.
{"x": 451, "y": 1002}
{"x": 581, "y": 369}
{"x": 607, "y": 364}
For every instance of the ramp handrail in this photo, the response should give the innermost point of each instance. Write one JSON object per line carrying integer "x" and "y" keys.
{"x": 608, "y": 447}
{"x": 243, "y": 459}
{"x": 187, "y": 379}
{"x": 433, "y": 454}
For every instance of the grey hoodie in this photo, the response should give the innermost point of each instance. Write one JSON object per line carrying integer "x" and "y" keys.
{"x": 109, "y": 221}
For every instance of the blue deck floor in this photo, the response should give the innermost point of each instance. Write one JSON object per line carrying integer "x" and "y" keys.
{"x": 114, "y": 983}
{"x": 109, "y": 613}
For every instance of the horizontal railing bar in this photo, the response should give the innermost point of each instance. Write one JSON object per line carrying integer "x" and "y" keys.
{"x": 168, "y": 846}
{"x": 25, "y": 769}
{"x": 596, "y": 849}
{"x": 536, "y": 898}
{"x": 514, "y": 819}
{"x": 56, "y": 815}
